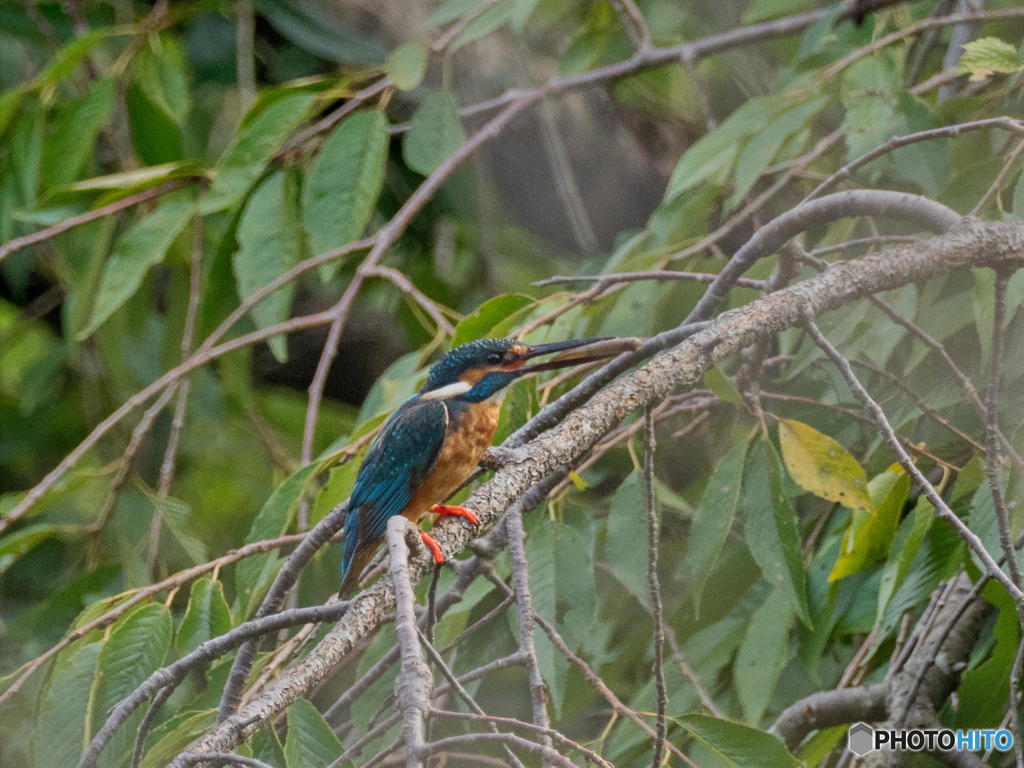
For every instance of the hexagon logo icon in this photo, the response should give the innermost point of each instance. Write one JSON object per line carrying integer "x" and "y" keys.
{"x": 860, "y": 739}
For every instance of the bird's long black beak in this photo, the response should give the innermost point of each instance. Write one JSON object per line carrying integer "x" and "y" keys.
{"x": 578, "y": 352}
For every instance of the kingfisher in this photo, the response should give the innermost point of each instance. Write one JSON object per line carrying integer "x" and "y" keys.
{"x": 436, "y": 438}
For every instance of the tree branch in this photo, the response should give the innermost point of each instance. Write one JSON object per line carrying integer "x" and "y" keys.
{"x": 973, "y": 244}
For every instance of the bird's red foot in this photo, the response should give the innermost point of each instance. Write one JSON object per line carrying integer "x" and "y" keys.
{"x": 433, "y": 546}
{"x": 443, "y": 510}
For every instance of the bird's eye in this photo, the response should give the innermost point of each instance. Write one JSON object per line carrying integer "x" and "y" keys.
{"x": 493, "y": 358}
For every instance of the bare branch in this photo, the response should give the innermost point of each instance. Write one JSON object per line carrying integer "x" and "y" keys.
{"x": 413, "y": 684}
{"x": 826, "y": 709}
{"x": 524, "y": 603}
{"x": 972, "y": 244}
{"x": 653, "y": 534}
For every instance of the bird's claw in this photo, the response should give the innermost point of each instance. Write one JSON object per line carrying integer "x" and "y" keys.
{"x": 433, "y": 546}
{"x": 446, "y": 510}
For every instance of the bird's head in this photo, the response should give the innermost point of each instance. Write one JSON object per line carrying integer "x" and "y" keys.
{"x": 482, "y": 368}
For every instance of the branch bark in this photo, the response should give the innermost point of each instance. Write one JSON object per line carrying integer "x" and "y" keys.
{"x": 970, "y": 245}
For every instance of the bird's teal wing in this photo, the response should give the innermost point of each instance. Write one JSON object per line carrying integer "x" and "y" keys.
{"x": 398, "y": 462}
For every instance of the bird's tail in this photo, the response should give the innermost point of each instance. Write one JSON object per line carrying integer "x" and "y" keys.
{"x": 352, "y": 569}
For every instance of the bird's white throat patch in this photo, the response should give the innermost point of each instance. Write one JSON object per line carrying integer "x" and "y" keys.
{"x": 448, "y": 390}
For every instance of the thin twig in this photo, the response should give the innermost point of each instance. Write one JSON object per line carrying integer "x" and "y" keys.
{"x": 524, "y": 604}
{"x": 995, "y": 362}
{"x": 654, "y": 274}
{"x": 71, "y": 222}
{"x": 178, "y": 420}
{"x": 653, "y": 534}
{"x": 414, "y": 679}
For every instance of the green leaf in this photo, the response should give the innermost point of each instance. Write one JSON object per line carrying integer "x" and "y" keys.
{"x": 868, "y": 537}
{"x": 562, "y": 578}
{"x": 772, "y": 531}
{"x": 261, "y": 135}
{"x": 73, "y": 140}
{"x": 136, "y": 647}
{"x": 252, "y": 575}
{"x": 819, "y": 464}
{"x": 207, "y": 615}
{"x": 710, "y": 158}
{"x": 737, "y": 744}
{"x": 269, "y": 243}
{"x": 764, "y": 146}
{"x": 435, "y": 132}
{"x": 713, "y": 519}
{"x": 63, "y": 708}
{"x": 478, "y": 323}
{"x": 310, "y": 742}
{"x": 987, "y": 55}
{"x": 763, "y": 655}
{"x": 985, "y": 688}
{"x": 762, "y": 10}
{"x": 127, "y": 179}
{"x": 485, "y": 23}
{"x": 903, "y": 551}
{"x": 142, "y": 245}
{"x": 627, "y": 533}
{"x": 71, "y": 55}
{"x": 406, "y": 65}
{"x": 174, "y": 735}
{"x": 16, "y": 545}
{"x": 344, "y": 182}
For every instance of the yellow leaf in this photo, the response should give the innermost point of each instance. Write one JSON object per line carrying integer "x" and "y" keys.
{"x": 869, "y": 536}
{"x": 819, "y": 464}
{"x": 578, "y": 481}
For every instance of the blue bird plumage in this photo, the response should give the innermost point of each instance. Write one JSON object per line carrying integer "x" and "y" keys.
{"x": 432, "y": 442}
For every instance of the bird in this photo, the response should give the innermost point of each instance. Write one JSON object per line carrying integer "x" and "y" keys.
{"x": 436, "y": 438}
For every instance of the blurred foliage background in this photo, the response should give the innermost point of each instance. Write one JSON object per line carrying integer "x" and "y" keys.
{"x": 203, "y": 110}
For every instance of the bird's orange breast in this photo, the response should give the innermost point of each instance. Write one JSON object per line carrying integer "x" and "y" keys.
{"x": 466, "y": 439}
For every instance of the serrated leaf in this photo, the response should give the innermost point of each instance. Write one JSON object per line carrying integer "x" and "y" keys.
{"x": 771, "y": 528}
{"x": 143, "y": 245}
{"x": 763, "y": 655}
{"x": 136, "y": 647}
{"x": 269, "y": 243}
{"x": 710, "y": 158}
{"x": 73, "y": 140}
{"x": 903, "y": 551}
{"x": 478, "y": 323}
{"x": 987, "y": 55}
{"x": 869, "y": 534}
{"x": 764, "y": 145}
{"x": 259, "y": 137}
{"x": 406, "y": 65}
{"x": 310, "y": 742}
{"x": 627, "y": 535}
{"x": 63, "y": 707}
{"x": 174, "y": 735}
{"x": 344, "y": 182}
{"x": 984, "y": 689}
{"x": 737, "y": 744}
{"x": 713, "y": 519}
{"x": 207, "y": 615}
{"x": 435, "y": 132}
{"x": 819, "y": 464}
